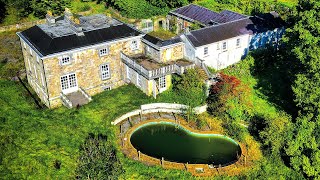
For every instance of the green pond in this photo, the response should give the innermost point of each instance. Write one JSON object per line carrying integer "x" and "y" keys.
{"x": 177, "y": 144}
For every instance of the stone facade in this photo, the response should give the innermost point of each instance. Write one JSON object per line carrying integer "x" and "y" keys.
{"x": 86, "y": 66}
{"x": 149, "y": 87}
{"x": 35, "y": 72}
{"x": 172, "y": 53}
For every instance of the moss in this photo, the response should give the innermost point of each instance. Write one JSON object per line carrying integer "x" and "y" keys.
{"x": 162, "y": 34}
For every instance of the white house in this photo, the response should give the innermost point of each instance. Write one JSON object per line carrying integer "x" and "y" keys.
{"x": 221, "y": 45}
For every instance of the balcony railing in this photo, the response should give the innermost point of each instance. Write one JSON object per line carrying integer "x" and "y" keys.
{"x": 149, "y": 74}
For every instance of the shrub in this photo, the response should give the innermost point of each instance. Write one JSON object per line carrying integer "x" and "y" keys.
{"x": 190, "y": 86}
{"x": 228, "y": 96}
{"x": 98, "y": 159}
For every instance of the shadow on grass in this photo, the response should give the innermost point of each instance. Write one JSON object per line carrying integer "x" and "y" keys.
{"x": 274, "y": 74}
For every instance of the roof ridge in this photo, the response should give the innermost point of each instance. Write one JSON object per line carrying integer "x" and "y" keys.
{"x": 194, "y": 5}
{"x": 220, "y": 24}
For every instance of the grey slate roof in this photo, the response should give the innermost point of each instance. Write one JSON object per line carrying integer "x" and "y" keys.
{"x": 205, "y": 16}
{"x": 161, "y": 43}
{"x": 229, "y": 30}
{"x": 54, "y": 40}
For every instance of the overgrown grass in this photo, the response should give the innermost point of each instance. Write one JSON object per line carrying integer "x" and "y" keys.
{"x": 91, "y": 6}
{"x": 11, "y": 60}
{"x": 162, "y": 34}
{"x": 32, "y": 139}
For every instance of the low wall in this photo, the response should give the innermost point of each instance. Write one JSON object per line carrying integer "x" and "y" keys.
{"x": 25, "y": 25}
{"x": 159, "y": 107}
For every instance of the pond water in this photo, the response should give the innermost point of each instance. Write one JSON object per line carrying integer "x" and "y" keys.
{"x": 176, "y": 144}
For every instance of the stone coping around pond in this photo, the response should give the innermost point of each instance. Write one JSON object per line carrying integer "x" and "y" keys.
{"x": 159, "y": 107}
{"x": 195, "y": 169}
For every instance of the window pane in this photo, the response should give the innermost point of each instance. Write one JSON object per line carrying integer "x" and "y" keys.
{"x": 205, "y": 51}
{"x": 72, "y": 79}
{"x": 103, "y": 51}
{"x": 64, "y": 82}
{"x": 162, "y": 82}
{"x": 105, "y": 72}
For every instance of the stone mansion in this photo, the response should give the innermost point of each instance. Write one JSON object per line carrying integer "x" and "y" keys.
{"x": 71, "y": 58}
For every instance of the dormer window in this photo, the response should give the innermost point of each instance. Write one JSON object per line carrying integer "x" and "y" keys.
{"x": 103, "y": 52}
{"x": 134, "y": 45}
{"x": 205, "y": 51}
{"x": 65, "y": 60}
{"x": 224, "y": 46}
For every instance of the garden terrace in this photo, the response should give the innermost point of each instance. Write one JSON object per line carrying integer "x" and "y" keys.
{"x": 151, "y": 69}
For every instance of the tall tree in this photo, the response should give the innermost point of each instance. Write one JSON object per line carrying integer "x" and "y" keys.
{"x": 304, "y": 40}
{"x": 40, "y": 7}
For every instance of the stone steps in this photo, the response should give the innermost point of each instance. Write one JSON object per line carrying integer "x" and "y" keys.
{"x": 77, "y": 99}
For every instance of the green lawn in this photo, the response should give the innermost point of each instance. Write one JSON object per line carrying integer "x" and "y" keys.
{"x": 31, "y": 140}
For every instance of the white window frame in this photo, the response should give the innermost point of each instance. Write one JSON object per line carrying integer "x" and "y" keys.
{"x": 42, "y": 80}
{"x": 35, "y": 71}
{"x": 162, "y": 83}
{"x": 139, "y": 81}
{"x": 107, "y": 88}
{"x": 206, "y": 51}
{"x": 218, "y": 46}
{"x": 105, "y": 71}
{"x": 38, "y": 58}
{"x": 224, "y": 46}
{"x": 148, "y": 49}
{"x": 238, "y": 42}
{"x": 103, "y": 51}
{"x": 31, "y": 53}
{"x": 71, "y": 84}
{"x": 134, "y": 46}
{"x": 128, "y": 72}
{"x": 24, "y": 45}
{"x": 65, "y": 60}
{"x": 28, "y": 59}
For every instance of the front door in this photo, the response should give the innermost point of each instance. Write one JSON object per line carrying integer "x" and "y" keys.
{"x": 69, "y": 83}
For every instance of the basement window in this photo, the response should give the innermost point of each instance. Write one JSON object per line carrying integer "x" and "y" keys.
{"x": 107, "y": 88}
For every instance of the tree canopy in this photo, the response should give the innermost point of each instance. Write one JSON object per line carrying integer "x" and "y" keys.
{"x": 304, "y": 41}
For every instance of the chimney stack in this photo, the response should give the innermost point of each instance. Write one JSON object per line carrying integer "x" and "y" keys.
{"x": 50, "y": 19}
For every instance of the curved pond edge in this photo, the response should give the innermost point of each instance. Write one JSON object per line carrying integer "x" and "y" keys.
{"x": 188, "y": 130}
{"x": 234, "y": 168}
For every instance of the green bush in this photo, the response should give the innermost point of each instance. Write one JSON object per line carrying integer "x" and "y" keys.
{"x": 98, "y": 159}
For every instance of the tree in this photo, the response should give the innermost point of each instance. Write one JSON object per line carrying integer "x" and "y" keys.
{"x": 98, "y": 159}
{"x": 304, "y": 41}
{"x": 190, "y": 86}
{"x": 40, "y": 7}
{"x": 230, "y": 97}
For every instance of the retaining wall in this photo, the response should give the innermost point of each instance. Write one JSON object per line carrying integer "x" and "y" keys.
{"x": 25, "y": 25}
{"x": 159, "y": 107}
